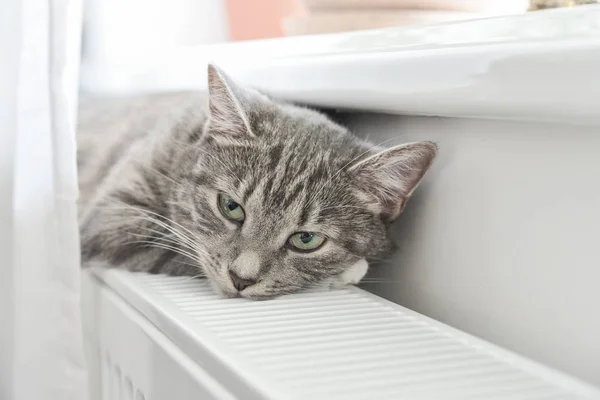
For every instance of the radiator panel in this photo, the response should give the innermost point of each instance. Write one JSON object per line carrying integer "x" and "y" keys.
{"x": 344, "y": 344}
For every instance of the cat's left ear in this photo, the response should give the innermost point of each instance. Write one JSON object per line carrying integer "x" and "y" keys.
{"x": 229, "y": 106}
{"x": 389, "y": 177}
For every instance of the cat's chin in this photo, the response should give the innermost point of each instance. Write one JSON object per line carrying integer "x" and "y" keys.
{"x": 351, "y": 276}
{"x": 225, "y": 293}
{"x": 229, "y": 295}
{"x": 234, "y": 294}
{"x": 257, "y": 297}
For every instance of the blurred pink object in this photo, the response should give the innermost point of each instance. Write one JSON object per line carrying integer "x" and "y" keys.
{"x": 338, "y": 21}
{"x": 327, "y": 16}
{"x": 491, "y": 6}
{"x": 259, "y": 19}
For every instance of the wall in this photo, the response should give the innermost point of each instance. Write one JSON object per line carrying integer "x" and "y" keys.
{"x": 117, "y": 33}
{"x": 501, "y": 238}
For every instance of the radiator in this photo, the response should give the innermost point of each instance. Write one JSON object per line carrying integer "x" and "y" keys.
{"x": 153, "y": 337}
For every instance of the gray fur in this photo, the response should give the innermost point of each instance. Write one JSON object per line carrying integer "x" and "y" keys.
{"x": 151, "y": 170}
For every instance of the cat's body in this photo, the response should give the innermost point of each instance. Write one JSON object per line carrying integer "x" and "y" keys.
{"x": 113, "y": 132}
{"x": 260, "y": 197}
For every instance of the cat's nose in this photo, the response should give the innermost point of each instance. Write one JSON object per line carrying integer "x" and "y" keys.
{"x": 240, "y": 283}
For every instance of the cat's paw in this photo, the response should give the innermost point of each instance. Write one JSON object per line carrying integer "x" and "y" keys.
{"x": 351, "y": 276}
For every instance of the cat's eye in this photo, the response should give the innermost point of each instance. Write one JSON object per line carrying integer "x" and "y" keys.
{"x": 306, "y": 241}
{"x": 230, "y": 209}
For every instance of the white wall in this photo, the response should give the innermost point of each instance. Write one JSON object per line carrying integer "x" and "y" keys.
{"x": 123, "y": 39}
{"x": 501, "y": 240}
{"x": 10, "y": 26}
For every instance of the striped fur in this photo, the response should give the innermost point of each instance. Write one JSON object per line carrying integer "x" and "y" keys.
{"x": 151, "y": 169}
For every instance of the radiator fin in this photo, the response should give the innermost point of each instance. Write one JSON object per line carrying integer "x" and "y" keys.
{"x": 116, "y": 385}
{"x": 348, "y": 344}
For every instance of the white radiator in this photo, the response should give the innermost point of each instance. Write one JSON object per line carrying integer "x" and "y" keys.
{"x": 152, "y": 337}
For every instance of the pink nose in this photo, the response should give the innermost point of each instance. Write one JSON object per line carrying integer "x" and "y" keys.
{"x": 240, "y": 283}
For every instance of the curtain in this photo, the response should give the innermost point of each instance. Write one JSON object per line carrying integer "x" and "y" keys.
{"x": 41, "y": 351}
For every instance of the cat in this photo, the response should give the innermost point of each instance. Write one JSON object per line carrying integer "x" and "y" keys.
{"x": 260, "y": 197}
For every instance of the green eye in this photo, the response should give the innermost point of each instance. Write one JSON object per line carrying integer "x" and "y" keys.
{"x": 231, "y": 209}
{"x": 306, "y": 241}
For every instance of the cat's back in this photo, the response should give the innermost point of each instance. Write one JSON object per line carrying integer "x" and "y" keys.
{"x": 113, "y": 130}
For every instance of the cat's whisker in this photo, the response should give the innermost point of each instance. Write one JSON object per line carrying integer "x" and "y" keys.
{"x": 202, "y": 275}
{"x": 166, "y": 247}
{"x": 184, "y": 145}
{"x": 195, "y": 265}
{"x": 178, "y": 239}
{"x": 182, "y": 237}
{"x": 163, "y": 235}
{"x": 382, "y": 280}
{"x": 161, "y": 239}
{"x": 175, "y": 241}
{"x": 373, "y": 259}
{"x": 154, "y": 170}
{"x": 165, "y": 218}
{"x": 179, "y": 234}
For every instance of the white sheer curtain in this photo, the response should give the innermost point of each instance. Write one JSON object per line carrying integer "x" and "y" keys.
{"x": 41, "y": 352}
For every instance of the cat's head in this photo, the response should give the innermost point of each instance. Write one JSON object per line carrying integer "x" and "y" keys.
{"x": 284, "y": 198}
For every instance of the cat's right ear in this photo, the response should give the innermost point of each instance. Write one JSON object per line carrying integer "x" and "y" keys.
{"x": 228, "y": 105}
{"x": 388, "y": 178}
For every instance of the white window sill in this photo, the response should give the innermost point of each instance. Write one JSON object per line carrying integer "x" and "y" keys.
{"x": 538, "y": 66}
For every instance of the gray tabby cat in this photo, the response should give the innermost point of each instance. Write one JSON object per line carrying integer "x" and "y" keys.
{"x": 260, "y": 197}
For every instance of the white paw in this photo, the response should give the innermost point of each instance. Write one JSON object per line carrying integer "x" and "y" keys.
{"x": 352, "y": 275}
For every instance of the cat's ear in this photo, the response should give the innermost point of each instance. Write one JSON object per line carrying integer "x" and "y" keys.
{"x": 227, "y": 106}
{"x": 389, "y": 177}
